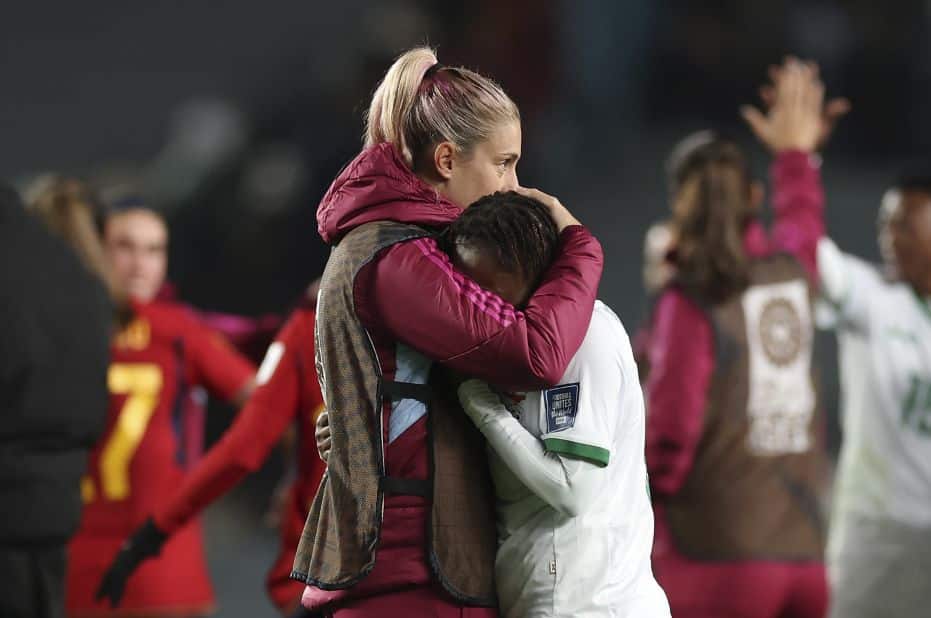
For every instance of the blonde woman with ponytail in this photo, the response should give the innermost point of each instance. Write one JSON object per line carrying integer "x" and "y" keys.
{"x": 733, "y": 447}
{"x": 386, "y": 535}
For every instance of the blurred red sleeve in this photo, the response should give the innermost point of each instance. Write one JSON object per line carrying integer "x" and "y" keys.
{"x": 798, "y": 205}
{"x": 253, "y": 434}
{"x": 214, "y": 363}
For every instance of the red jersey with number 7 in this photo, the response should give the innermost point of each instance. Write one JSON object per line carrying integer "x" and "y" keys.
{"x": 140, "y": 460}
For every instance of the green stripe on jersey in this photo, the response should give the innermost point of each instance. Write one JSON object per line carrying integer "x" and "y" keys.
{"x": 595, "y": 454}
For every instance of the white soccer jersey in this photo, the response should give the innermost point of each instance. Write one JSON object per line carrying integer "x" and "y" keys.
{"x": 575, "y": 524}
{"x": 884, "y": 469}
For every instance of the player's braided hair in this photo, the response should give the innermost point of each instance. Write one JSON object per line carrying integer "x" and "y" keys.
{"x": 517, "y": 230}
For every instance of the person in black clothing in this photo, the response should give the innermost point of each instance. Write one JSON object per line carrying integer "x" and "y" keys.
{"x": 56, "y": 318}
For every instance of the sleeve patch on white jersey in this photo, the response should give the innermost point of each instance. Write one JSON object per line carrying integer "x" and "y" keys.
{"x": 270, "y": 363}
{"x": 562, "y": 404}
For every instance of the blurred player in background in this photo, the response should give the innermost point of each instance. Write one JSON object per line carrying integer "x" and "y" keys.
{"x": 733, "y": 448}
{"x": 140, "y": 460}
{"x": 879, "y": 550}
{"x": 287, "y": 391}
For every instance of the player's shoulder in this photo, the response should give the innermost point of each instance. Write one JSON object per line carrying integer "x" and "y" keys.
{"x": 170, "y": 317}
{"x": 300, "y": 324}
{"x": 606, "y": 327}
{"x": 606, "y": 340}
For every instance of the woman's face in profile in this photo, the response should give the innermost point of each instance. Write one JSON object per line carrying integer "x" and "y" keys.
{"x": 490, "y": 166}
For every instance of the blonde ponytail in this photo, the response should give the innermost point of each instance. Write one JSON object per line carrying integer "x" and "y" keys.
{"x": 393, "y": 99}
{"x": 412, "y": 110}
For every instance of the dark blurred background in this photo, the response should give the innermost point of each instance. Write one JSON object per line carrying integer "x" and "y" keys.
{"x": 233, "y": 117}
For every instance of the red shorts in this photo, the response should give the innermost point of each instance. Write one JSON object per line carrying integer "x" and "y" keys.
{"x": 743, "y": 589}
{"x": 174, "y": 583}
{"x": 739, "y": 589}
{"x": 424, "y": 602}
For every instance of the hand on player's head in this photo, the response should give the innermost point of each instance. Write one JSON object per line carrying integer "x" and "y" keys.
{"x": 560, "y": 214}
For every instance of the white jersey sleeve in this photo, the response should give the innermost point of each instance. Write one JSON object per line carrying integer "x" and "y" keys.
{"x": 578, "y": 418}
{"x": 849, "y": 284}
{"x": 567, "y": 486}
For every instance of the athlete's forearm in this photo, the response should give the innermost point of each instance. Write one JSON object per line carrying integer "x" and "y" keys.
{"x": 798, "y": 204}
{"x": 568, "y": 485}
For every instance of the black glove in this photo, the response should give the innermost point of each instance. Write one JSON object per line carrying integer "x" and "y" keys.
{"x": 144, "y": 543}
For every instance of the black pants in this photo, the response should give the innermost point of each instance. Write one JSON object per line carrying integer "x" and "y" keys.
{"x": 32, "y": 582}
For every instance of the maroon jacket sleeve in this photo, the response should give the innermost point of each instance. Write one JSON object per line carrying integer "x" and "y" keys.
{"x": 414, "y": 293}
{"x": 681, "y": 357}
{"x": 798, "y": 202}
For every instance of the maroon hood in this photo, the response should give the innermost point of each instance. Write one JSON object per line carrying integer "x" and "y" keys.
{"x": 378, "y": 186}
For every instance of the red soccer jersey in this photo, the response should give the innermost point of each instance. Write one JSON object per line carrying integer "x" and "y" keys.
{"x": 287, "y": 391}
{"x": 140, "y": 460}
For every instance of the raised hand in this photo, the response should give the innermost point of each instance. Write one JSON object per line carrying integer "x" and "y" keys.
{"x": 834, "y": 109}
{"x": 794, "y": 120}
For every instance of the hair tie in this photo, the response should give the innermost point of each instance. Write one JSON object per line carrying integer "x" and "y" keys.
{"x": 432, "y": 70}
